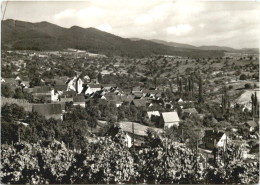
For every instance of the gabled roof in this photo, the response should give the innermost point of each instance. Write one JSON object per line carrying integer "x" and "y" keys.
{"x": 127, "y": 98}
{"x": 10, "y": 80}
{"x": 155, "y": 113}
{"x": 152, "y": 91}
{"x": 26, "y": 83}
{"x": 178, "y": 100}
{"x": 251, "y": 123}
{"x": 94, "y": 85}
{"x": 47, "y": 109}
{"x": 113, "y": 97}
{"x": 190, "y": 110}
{"x": 41, "y": 89}
{"x": 108, "y": 85}
{"x": 213, "y": 134}
{"x": 60, "y": 87}
{"x": 139, "y": 129}
{"x": 139, "y": 102}
{"x": 170, "y": 117}
{"x": 136, "y": 89}
{"x": 86, "y": 77}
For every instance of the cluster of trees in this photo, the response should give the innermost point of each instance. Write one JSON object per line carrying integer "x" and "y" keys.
{"x": 106, "y": 160}
{"x": 185, "y": 86}
{"x": 104, "y": 110}
{"x": 72, "y": 130}
{"x": 18, "y": 93}
{"x": 255, "y": 106}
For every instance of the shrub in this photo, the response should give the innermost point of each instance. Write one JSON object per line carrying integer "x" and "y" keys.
{"x": 248, "y": 86}
{"x": 243, "y": 77}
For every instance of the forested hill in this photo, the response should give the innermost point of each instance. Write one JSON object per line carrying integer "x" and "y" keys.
{"x": 46, "y": 36}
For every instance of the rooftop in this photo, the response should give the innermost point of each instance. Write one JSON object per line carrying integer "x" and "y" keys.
{"x": 139, "y": 129}
{"x": 170, "y": 117}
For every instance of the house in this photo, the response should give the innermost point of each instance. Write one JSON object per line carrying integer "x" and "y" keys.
{"x": 105, "y": 72}
{"x": 79, "y": 100}
{"x": 214, "y": 139}
{"x": 154, "y": 116}
{"x": 168, "y": 106}
{"x": 113, "y": 99}
{"x": 17, "y": 78}
{"x": 10, "y": 81}
{"x": 86, "y": 79}
{"x": 136, "y": 90}
{"x": 39, "y": 92}
{"x": 138, "y": 95}
{"x": 108, "y": 87}
{"x": 92, "y": 88}
{"x": 25, "y": 84}
{"x": 189, "y": 111}
{"x": 49, "y": 110}
{"x": 152, "y": 93}
{"x": 251, "y": 124}
{"x": 136, "y": 131}
{"x": 139, "y": 103}
{"x": 170, "y": 119}
{"x": 54, "y": 96}
{"x": 65, "y": 99}
{"x": 60, "y": 88}
{"x": 127, "y": 98}
{"x": 179, "y": 100}
{"x": 60, "y": 80}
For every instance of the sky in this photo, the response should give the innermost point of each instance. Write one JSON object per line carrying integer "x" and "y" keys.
{"x": 223, "y": 23}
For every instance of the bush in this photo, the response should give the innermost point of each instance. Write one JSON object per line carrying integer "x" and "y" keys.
{"x": 243, "y": 77}
{"x": 248, "y": 86}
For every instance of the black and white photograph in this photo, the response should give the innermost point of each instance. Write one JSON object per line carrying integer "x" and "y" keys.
{"x": 129, "y": 92}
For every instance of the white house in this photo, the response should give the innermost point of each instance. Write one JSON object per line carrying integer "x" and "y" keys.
{"x": 54, "y": 97}
{"x": 170, "y": 119}
{"x": 213, "y": 139}
{"x": 92, "y": 88}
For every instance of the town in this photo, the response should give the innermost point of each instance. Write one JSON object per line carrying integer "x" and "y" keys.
{"x": 161, "y": 118}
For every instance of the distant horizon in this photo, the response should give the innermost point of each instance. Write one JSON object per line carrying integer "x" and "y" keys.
{"x": 234, "y": 24}
{"x": 134, "y": 37}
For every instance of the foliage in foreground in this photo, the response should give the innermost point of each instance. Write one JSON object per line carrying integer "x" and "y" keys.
{"x": 105, "y": 160}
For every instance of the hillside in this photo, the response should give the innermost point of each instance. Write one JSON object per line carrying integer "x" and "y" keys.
{"x": 207, "y": 48}
{"x": 174, "y": 44}
{"x": 22, "y": 35}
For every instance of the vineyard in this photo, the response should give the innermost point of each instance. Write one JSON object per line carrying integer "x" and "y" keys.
{"x": 107, "y": 160}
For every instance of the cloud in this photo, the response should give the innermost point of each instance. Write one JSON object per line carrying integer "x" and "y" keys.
{"x": 179, "y": 29}
{"x": 234, "y": 24}
{"x": 143, "y": 19}
{"x": 104, "y": 27}
{"x": 65, "y": 14}
{"x": 91, "y": 11}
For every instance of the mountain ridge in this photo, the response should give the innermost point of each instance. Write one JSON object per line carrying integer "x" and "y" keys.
{"x": 47, "y": 36}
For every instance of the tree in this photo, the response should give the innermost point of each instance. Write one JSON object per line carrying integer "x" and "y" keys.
{"x": 100, "y": 78}
{"x": 18, "y": 94}
{"x": 6, "y": 90}
{"x": 248, "y": 86}
{"x": 36, "y": 81}
{"x": 242, "y": 77}
{"x": 200, "y": 99}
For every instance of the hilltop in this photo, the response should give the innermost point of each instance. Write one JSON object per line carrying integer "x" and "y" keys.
{"x": 20, "y": 35}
